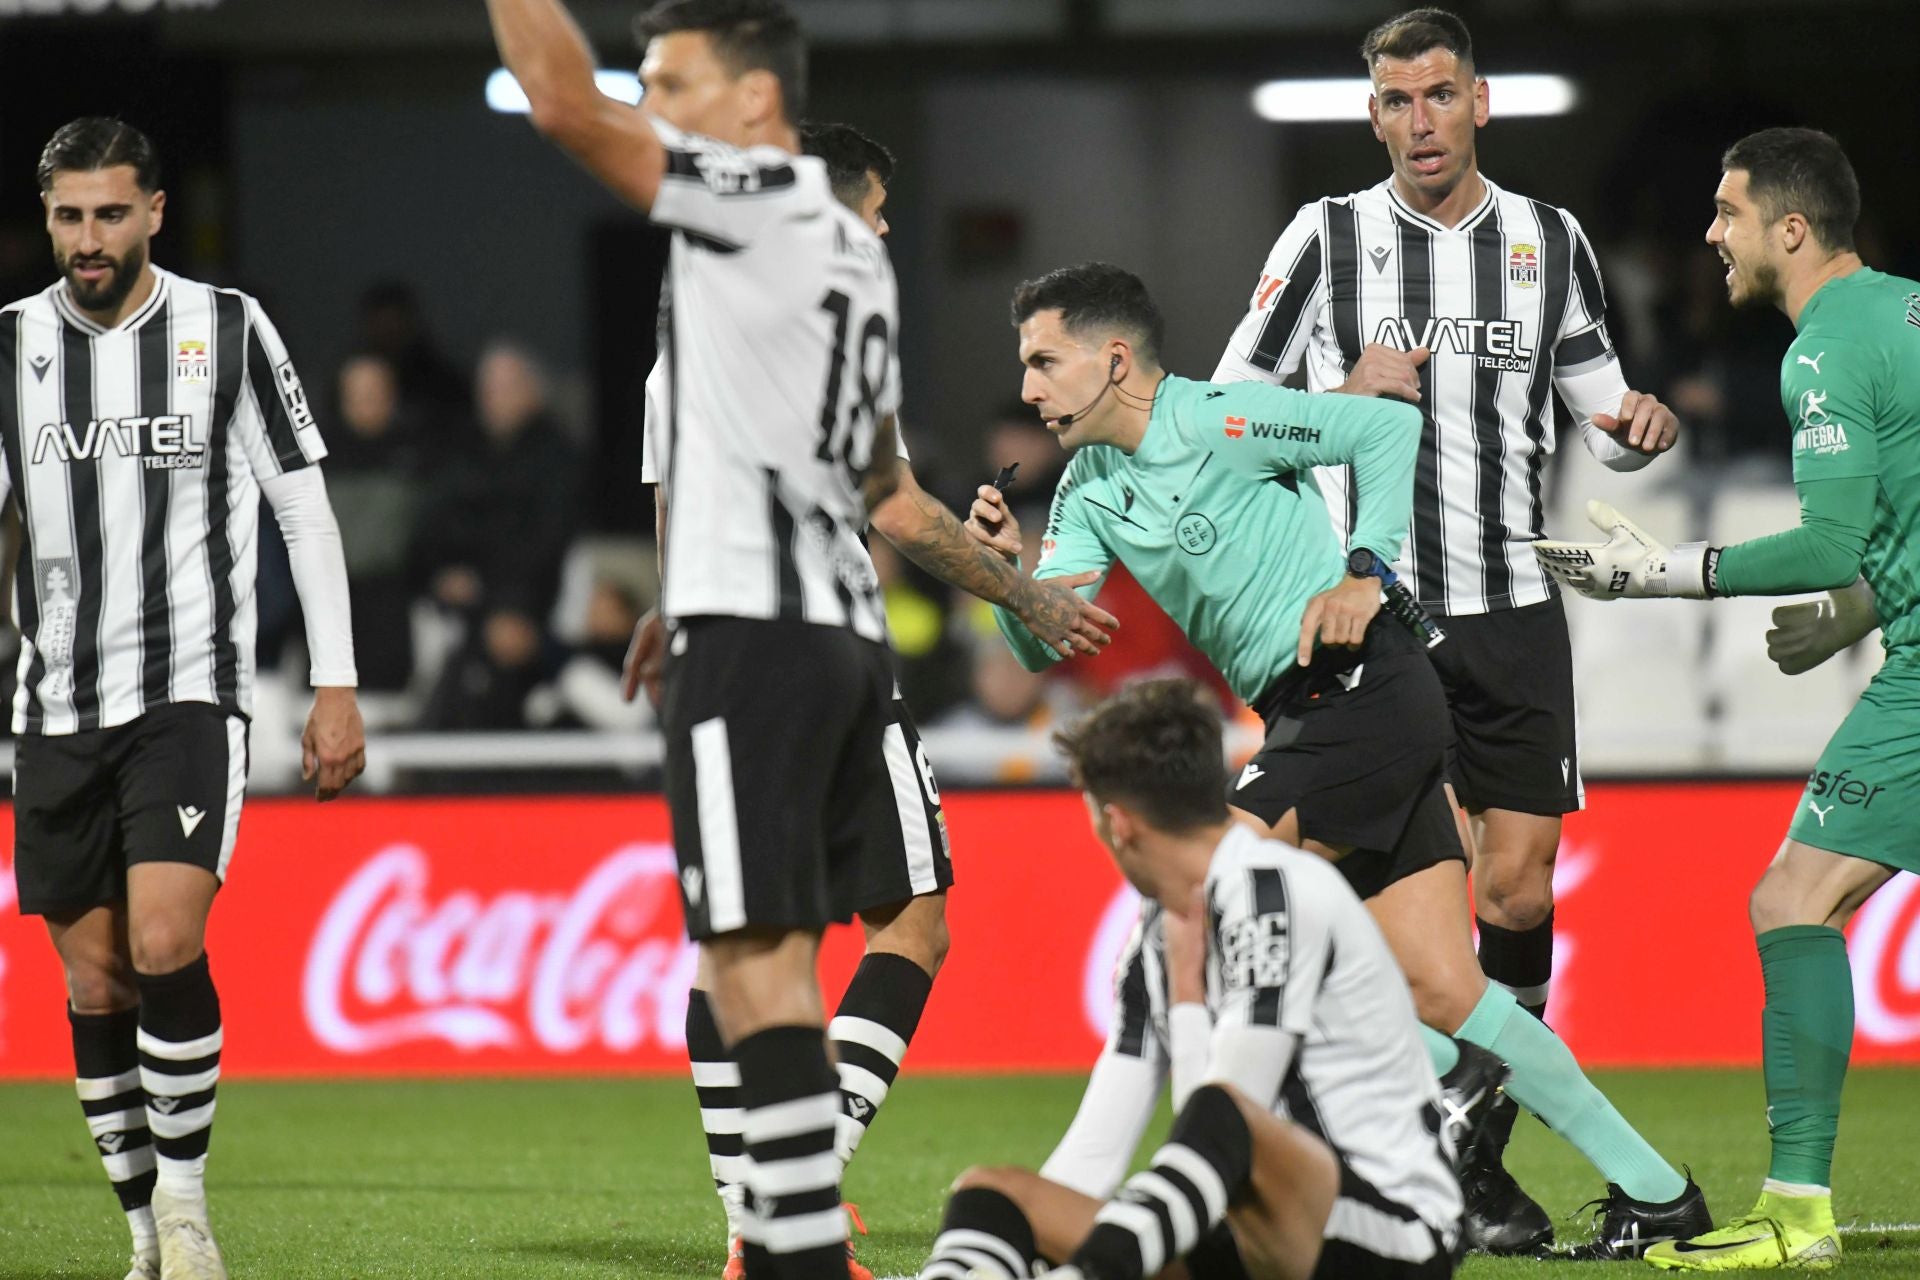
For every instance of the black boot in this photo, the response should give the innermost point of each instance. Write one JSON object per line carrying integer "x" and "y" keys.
{"x": 1629, "y": 1227}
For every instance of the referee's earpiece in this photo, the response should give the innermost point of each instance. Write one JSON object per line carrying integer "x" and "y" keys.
{"x": 1113, "y": 365}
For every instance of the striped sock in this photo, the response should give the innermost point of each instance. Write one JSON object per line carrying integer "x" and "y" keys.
{"x": 794, "y": 1228}
{"x": 179, "y": 1044}
{"x": 107, "y": 1077}
{"x": 870, "y": 1032}
{"x": 984, "y": 1234}
{"x": 1161, "y": 1213}
{"x": 717, "y": 1082}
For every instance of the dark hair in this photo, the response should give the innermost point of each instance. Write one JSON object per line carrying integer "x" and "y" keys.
{"x": 1095, "y": 296}
{"x": 1417, "y": 31}
{"x": 1801, "y": 171}
{"x": 851, "y": 157}
{"x": 1154, "y": 746}
{"x": 95, "y": 142}
{"x": 747, "y": 35}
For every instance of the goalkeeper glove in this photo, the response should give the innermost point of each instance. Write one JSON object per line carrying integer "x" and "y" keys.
{"x": 1632, "y": 564}
{"x": 1805, "y": 635}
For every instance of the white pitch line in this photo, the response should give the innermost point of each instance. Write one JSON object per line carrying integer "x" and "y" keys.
{"x": 1861, "y": 1228}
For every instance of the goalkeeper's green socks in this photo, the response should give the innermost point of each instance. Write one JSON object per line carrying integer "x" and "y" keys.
{"x": 1806, "y": 1033}
{"x": 1548, "y": 1082}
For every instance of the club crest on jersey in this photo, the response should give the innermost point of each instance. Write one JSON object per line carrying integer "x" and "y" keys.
{"x": 191, "y": 362}
{"x": 1523, "y": 266}
{"x": 168, "y": 442}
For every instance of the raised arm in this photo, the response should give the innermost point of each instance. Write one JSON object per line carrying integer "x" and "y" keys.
{"x": 544, "y": 49}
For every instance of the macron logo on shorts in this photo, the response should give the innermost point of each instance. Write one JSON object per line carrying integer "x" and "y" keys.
{"x": 1248, "y": 774}
{"x": 190, "y": 818}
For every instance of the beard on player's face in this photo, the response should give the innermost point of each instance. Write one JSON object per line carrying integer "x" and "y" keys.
{"x": 111, "y": 289}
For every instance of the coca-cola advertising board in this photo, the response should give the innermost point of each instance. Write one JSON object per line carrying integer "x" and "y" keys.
{"x": 502, "y": 936}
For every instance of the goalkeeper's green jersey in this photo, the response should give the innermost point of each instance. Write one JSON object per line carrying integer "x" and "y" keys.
{"x": 1217, "y": 515}
{"x": 1850, "y": 384}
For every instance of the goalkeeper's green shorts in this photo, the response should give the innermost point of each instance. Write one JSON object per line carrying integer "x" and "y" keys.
{"x": 1862, "y": 797}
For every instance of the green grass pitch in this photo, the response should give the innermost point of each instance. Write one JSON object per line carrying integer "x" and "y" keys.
{"x": 608, "y": 1177}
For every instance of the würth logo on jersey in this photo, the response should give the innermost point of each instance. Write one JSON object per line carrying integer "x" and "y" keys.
{"x": 1494, "y": 344}
{"x": 1523, "y": 266}
{"x": 1236, "y": 427}
{"x": 163, "y": 443}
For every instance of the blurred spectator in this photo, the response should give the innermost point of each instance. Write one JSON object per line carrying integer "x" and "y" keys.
{"x": 494, "y": 524}
{"x": 372, "y": 477}
{"x": 1005, "y": 694}
{"x": 432, "y": 388}
{"x": 585, "y": 692}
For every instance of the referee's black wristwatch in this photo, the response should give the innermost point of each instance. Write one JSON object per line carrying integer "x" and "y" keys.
{"x": 1362, "y": 563}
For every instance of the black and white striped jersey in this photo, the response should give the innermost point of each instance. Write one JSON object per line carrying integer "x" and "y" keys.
{"x": 1312, "y": 1016}
{"x": 1510, "y": 305}
{"x": 781, "y": 363}
{"x": 135, "y": 455}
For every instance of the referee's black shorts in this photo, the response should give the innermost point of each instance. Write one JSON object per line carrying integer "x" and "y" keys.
{"x": 798, "y": 789}
{"x": 1509, "y": 682}
{"x": 1356, "y": 744}
{"x": 166, "y": 787}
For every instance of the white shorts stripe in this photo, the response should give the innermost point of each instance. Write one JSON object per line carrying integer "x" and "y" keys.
{"x": 867, "y": 1032}
{"x": 178, "y": 1050}
{"x": 803, "y": 1173}
{"x": 1145, "y": 1227}
{"x": 1186, "y": 1231}
{"x": 911, "y": 802}
{"x": 1379, "y": 1232}
{"x": 100, "y": 1088}
{"x": 719, "y": 827}
{"x": 1187, "y": 1162}
{"x": 236, "y": 792}
{"x": 785, "y": 1119}
{"x": 716, "y": 1075}
{"x": 730, "y": 1169}
{"x": 806, "y": 1231}
{"x": 863, "y": 1082}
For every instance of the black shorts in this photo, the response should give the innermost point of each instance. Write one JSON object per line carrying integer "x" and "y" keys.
{"x": 1368, "y": 1236}
{"x": 798, "y": 788}
{"x": 1356, "y": 743}
{"x": 1509, "y": 682}
{"x": 166, "y": 787}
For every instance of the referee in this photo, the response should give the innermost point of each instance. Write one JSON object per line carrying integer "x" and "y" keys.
{"x": 142, "y": 417}
{"x": 1479, "y": 305}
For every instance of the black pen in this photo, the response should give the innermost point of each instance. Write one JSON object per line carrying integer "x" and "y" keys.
{"x": 1004, "y": 480}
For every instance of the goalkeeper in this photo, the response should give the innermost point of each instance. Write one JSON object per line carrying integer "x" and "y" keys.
{"x": 1850, "y": 383}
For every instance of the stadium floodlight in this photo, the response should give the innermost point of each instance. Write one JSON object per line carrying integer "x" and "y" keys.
{"x": 505, "y": 95}
{"x": 1345, "y": 98}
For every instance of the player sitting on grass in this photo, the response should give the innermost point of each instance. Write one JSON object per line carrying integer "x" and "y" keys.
{"x": 1312, "y": 1146}
{"x": 1783, "y": 222}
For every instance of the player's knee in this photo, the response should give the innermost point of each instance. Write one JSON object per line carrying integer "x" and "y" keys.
{"x": 100, "y": 982}
{"x": 1004, "y": 1178}
{"x": 1444, "y": 1006}
{"x": 1518, "y": 905}
{"x": 1774, "y": 904}
{"x": 162, "y": 943}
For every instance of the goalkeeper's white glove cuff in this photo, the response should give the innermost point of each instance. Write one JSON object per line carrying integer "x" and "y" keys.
{"x": 1693, "y": 571}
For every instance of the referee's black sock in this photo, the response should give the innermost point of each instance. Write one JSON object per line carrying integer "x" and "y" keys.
{"x": 107, "y": 1077}
{"x": 1521, "y": 960}
{"x": 794, "y": 1228}
{"x": 180, "y": 1040}
{"x": 984, "y": 1233}
{"x": 870, "y": 1032}
{"x": 1159, "y": 1216}
{"x": 716, "y": 1082}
